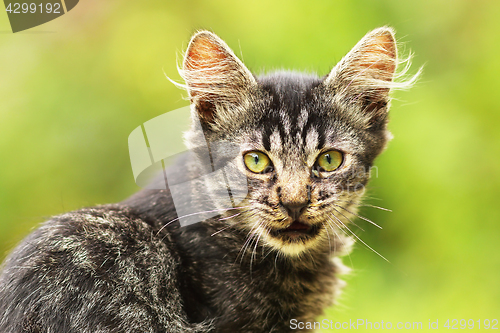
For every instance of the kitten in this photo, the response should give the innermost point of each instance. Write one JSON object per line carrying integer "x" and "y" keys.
{"x": 303, "y": 145}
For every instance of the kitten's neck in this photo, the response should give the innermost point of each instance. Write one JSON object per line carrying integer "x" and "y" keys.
{"x": 236, "y": 270}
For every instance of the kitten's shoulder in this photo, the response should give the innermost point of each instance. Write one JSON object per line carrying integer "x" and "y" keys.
{"x": 84, "y": 238}
{"x": 105, "y": 268}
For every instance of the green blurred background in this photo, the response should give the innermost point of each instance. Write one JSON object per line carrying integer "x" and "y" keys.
{"x": 72, "y": 90}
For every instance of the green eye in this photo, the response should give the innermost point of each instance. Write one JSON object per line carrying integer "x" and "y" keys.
{"x": 257, "y": 162}
{"x": 330, "y": 161}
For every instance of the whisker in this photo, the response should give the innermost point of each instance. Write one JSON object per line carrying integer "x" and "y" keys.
{"x": 251, "y": 238}
{"x": 330, "y": 244}
{"x": 229, "y": 217}
{"x": 357, "y": 215}
{"x": 250, "y": 235}
{"x": 356, "y": 236}
{"x": 341, "y": 240}
{"x": 215, "y": 233}
{"x": 378, "y": 207}
{"x": 254, "y": 253}
{"x": 197, "y": 213}
{"x": 364, "y": 205}
{"x": 350, "y": 221}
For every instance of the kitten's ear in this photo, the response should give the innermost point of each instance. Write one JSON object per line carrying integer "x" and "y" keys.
{"x": 364, "y": 76}
{"x": 214, "y": 75}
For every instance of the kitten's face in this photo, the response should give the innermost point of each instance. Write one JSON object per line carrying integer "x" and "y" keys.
{"x": 306, "y": 166}
{"x": 306, "y": 144}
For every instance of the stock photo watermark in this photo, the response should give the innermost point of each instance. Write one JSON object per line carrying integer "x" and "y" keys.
{"x": 364, "y": 324}
{"x": 24, "y": 15}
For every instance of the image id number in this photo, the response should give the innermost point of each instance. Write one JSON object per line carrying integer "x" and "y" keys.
{"x": 22, "y": 8}
{"x": 456, "y": 324}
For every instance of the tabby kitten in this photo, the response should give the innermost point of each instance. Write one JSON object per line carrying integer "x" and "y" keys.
{"x": 304, "y": 146}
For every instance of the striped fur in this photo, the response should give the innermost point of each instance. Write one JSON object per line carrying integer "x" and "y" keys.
{"x": 130, "y": 267}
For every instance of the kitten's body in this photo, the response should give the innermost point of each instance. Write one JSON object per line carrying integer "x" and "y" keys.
{"x": 130, "y": 267}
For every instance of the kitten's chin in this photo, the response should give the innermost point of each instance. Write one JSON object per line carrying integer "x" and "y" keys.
{"x": 295, "y": 239}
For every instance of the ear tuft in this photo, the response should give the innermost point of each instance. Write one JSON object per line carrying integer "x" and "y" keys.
{"x": 213, "y": 74}
{"x": 378, "y": 54}
{"x": 371, "y": 63}
{"x": 205, "y": 51}
{"x": 365, "y": 76}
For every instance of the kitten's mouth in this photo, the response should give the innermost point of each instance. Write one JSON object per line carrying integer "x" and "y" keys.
{"x": 296, "y": 231}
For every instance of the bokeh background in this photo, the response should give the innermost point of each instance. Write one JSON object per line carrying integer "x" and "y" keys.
{"x": 73, "y": 89}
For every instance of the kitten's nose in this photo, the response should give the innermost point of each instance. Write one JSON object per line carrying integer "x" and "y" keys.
{"x": 295, "y": 209}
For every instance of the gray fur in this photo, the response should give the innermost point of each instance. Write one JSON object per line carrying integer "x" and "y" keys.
{"x": 130, "y": 267}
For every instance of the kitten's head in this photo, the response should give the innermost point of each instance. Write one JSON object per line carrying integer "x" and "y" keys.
{"x": 304, "y": 144}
